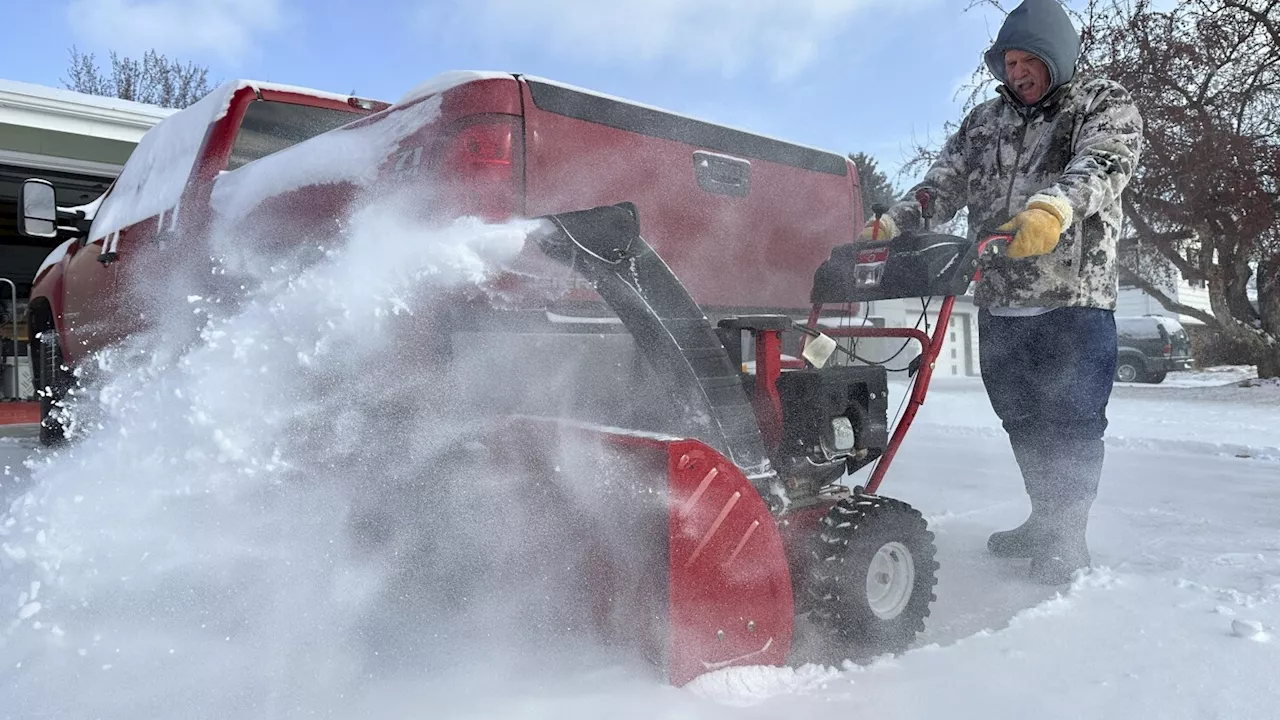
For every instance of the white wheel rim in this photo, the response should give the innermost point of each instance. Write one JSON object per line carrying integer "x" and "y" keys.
{"x": 890, "y": 580}
{"x": 1127, "y": 373}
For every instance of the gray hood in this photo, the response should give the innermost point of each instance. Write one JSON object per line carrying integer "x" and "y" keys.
{"x": 1042, "y": 28}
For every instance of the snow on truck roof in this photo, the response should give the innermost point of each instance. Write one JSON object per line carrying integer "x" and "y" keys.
{"x": 157, "y": 171}
{"x": 449, "y": 80}
{"x": 159, "y": 167}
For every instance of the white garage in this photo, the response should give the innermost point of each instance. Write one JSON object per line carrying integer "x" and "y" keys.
{"x": 79, "y": 143}
{"x": 959, "y": 356}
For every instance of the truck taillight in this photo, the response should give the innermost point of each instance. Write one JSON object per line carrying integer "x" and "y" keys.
{"x": 481, "y": 169}
{"x": 1167, "y": 349}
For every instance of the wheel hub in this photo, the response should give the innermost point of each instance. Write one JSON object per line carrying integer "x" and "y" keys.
{"x": 890, "y": 580}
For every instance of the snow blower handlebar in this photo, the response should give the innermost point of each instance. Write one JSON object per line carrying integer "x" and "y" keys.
{"x": 924, "y": 276}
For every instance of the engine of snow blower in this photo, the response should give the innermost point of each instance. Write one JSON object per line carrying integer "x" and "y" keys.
{"x": 818, "y": 423}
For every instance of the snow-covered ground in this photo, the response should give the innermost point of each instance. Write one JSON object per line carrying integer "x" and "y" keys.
{"x": 1207, "y": 412}
{"x": 1179, "y": 620}
{"x": 185, "y": 559}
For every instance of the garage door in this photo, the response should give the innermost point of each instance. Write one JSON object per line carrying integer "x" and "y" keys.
{"x": 956, "y": 357}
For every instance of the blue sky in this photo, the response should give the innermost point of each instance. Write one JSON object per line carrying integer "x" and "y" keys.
{"x": 845, "y": 75}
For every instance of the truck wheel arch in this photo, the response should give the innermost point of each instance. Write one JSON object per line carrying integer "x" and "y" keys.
{"x": 1130, "y": 367}
{"x": 39, "y": 319}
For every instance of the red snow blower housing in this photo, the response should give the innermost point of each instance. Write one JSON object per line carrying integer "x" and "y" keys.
{"x": 759, "y": 528}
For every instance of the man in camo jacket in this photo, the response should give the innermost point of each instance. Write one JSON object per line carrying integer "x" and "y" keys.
{"x": 1048, "y": 159}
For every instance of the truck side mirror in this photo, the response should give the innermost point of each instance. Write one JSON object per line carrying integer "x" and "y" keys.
{"x": 37, "y": 209}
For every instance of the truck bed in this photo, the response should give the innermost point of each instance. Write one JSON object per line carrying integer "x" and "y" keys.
{"x": 742, "y": 219}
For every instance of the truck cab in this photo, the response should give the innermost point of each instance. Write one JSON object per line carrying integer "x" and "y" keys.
{"x": 164, "y": 190}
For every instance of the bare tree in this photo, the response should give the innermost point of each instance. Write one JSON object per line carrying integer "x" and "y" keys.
{"x": 155, "y": 79}
{"x": 1206, "y": 76}
{"x": 1205, "y": 202}
{"x": 85, "y": 77}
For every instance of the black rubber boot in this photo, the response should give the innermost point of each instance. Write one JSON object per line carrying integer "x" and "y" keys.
{"x": 1063, "y": 549}
{"x": 1072, "y": 485}
{"x": 1021, "y": 541}
{"x": 1058, "y": 568}
{"x": 1062, "y": 493}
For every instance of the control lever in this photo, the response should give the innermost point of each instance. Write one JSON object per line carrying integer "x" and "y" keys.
{"x": 924, "y": 196}
{"x": 992, "y": 246}
{"x": 996, "y": 244}
{"x": 878, "y": 209}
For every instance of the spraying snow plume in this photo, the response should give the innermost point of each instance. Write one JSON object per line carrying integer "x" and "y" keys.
{"x": 273, "y": 498}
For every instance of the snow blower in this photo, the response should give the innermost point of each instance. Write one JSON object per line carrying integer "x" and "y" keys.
{"x": 753, "y": 526}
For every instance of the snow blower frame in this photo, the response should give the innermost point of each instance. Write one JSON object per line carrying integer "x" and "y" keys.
{"x": 757, "y": 528}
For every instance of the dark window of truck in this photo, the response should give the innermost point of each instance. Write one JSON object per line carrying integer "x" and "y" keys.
{"x": 269, "y": 127}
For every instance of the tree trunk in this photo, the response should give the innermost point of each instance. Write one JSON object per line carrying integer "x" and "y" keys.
{"x": 1264, "y": 347}
{"x": 1269, "y": 363}
{"x": 1269, "y": 314}
{"x": 1236, "y": 274}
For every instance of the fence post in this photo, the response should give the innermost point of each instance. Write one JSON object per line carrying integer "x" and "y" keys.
{"x": 13, "y": 290}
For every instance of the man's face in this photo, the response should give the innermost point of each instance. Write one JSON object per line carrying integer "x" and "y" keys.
{"x": 1027, "y": 74}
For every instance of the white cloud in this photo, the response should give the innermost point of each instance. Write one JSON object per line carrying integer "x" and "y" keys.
{"x": 223, "y": 28}
{"x": 729, "y": 36}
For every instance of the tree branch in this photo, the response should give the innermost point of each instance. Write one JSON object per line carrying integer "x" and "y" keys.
{"x": 1133, "y": 278}
{"x": 1164, "y": 242}
{"x": 1261, "y": 17}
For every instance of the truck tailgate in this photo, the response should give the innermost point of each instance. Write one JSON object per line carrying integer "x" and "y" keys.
{"x": 743, "y": 220}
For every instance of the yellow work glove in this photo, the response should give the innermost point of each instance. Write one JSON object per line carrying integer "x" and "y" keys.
{"x": 1038, "y": 228}
{"x": 888, "y": 229}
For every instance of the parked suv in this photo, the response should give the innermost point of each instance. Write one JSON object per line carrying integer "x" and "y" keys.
{"x": 1150, "y": 347}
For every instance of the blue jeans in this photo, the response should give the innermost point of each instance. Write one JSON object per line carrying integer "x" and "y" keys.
{"x": 1049, "y": 379}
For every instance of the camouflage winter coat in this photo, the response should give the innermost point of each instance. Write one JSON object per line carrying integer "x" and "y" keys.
{"x": 1081, "y": 144}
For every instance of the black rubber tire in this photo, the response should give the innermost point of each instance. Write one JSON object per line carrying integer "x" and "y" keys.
{"x": 1156, "y": 378}
{"x": 853, "y": 531}
{"x": 1138, "y": 369}
{"x": 54, "y": 381}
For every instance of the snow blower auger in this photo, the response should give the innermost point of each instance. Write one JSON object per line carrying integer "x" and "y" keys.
{"x": 749, "y": 526}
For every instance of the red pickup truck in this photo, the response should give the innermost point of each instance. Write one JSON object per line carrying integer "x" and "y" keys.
{"x": 742, "y": 219}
